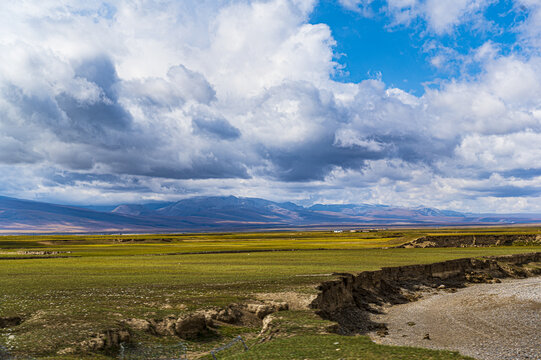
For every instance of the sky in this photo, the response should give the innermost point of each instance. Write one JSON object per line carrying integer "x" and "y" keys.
{"x": 399, "y": 102}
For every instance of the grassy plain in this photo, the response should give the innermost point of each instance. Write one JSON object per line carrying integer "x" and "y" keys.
{"x": 100, "y": 280}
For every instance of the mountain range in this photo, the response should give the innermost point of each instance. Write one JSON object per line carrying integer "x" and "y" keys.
{"x": 225, "y": 213}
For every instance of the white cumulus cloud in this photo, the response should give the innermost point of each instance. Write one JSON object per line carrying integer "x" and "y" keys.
{"x": 130, "y": 101}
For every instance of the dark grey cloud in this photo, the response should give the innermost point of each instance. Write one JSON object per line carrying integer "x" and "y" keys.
{"x": 92, "y": 120}
{"x": 100, "y": 121}
{"x": 506, "y": 191}
{"x": 104, "y": 182}
{"x": 522, "y": 173}
{"x": 218, "y": 128}
{"x": 212, "y": 166}
{"x": 88, "y": 127}
{"x": 314, "y": 160}
{"x": 31, "y": 109}
{"x": 13, "y": 151}
{"x": 100, "y": 71}
{"x": 312, "y": 154}
{"x": 71, "y": 178}
{"x": 349, "y": 135}
{"x": 417, "y": 148}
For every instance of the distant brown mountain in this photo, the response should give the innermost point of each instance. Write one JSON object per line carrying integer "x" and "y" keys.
{"x": 225, "y": 213}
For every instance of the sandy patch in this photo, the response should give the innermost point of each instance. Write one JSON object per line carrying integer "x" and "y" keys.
{"x": 296, "y": 301}
{"x": 485, "y": 321}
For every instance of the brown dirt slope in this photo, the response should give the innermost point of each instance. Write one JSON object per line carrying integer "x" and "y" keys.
{"x": 352, "y": 298}
{"x": 473, "y": 240}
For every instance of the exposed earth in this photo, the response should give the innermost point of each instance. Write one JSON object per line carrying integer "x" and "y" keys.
{"x": 479, "y": 240}
{"x": 485, "y": 321}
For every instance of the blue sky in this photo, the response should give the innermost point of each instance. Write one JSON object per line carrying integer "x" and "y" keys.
{"x": 397, "y": 102}
{"x": 372, "y": 45}
{"x": 366, "y": 48}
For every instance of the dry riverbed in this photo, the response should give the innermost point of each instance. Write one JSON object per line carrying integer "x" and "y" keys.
{"x": 484, "y": 321}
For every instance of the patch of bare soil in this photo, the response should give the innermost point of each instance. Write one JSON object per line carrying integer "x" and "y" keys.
{"x": 486, "y": 321}
{"x": 473, "y": 240}
{"x": 296, "y": 301}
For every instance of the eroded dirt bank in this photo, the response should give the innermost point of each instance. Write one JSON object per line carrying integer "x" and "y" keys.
{"x": 351, "y": 299}
{"x": 473, "y": 240}
{"x": 487, "y": 322}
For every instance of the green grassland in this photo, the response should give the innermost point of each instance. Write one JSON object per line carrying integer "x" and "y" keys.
{"x": 100, "y": 280}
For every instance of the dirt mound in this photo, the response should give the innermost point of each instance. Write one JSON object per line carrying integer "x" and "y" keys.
{"x": 106, "y": 340}
{"x": 194, "y": 325}
{"x": 235, "y": 314}
{"x": 473, "y": 240}
{"x": 188, "y": 326}
{"x": 191, "y": 326}
{"x": 262, "y": 310}
{"x": 351, "y": 299}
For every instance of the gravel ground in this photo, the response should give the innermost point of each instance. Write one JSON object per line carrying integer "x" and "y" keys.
{"x": 485, "y": 321}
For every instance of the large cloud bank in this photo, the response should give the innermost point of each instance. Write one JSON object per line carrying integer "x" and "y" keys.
{"x": 136, "y": 100}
